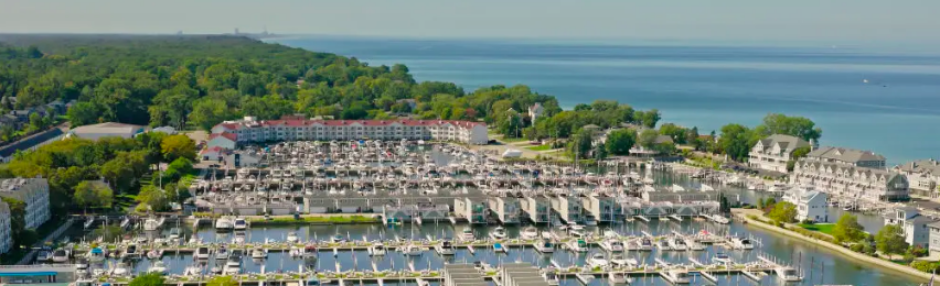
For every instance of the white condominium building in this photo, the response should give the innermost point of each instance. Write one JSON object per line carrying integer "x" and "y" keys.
{"x": 773, "y": 153}
{"x": 851, "y": 173}
{"x": 6, "y": 233}
{"x": 34, "y": 192}
{"x": 294, "y": 128}
{"x": 923, "y": 175}
{"x": 810, "y": 204}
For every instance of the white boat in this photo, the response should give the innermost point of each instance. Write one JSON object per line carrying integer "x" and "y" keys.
{"x": 60, "y": 256}
{"x": 675, "y": 276}
{"x": 296, "y": 251}
{"x": 192, "y": 270}
{"x": 694, "y": 245}
{"x": 576, "y": 231}
{"x": 663, "y": 244}
{"x": 222, "y": 254}
{"x": 577, "y": 245}
{"x": 722, "y": 258}
{"x": 529, "y": 233}
{"x": 544, "y": 246}
{"x": 551, "y": 277}
{"x": 611, "y": 234}
{"x": 645, "y": 244}
{"x": 598, "y": 260}
{"x": 742, "y": 243}
{"x": 445, "y": 248}
{"x": 224, "y": 223}
{"x": 175, "y": 233}
{"x": 612, "y": 245}
{"x": 788, "y": 274}
{"x": 678, "y": 244}
{"x": 158, "y": 267}
{"x": 121, "y": 269}
{"x": 232, "y": 267}
{"x": 130, "y": 251}
{"x": 44, "y": 255}
{"x": 240, "y": 224}
{"x": 467, "y": 235}
{"x": 620, "y": 259}
{"x": 377, "y": 249}
{"x": 412, "y": 250}
{"x": 152, "y": 224}
{"x": 155, "y": 253}
{"x": 292, "y": 237}
{"x": 95, "y": 255}
{"x": 617, "y": 278}
{"x": 337, "y": 238}
{"x": 202, "y": 253}
{"x": 259, "y": 253}
{"x": 498, "y": 233}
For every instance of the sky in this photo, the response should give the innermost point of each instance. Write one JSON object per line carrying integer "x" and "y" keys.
{"x": 745, "y": 20}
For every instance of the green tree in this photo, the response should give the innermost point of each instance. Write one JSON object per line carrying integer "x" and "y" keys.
{"x": 178, "y": 146}
{"x": 153, "y": 197}
{"x": 890, "y": 239}
{"x": 620, "y": 141}
{"x": 148, "y": 279}
{"x": 734, "y": 141}
{"x": 208, "y": 112}
{"x": 580, "y": 144}
{"x": 783, "y": 212}
{"x": 847, "y": 229}
{"x": 93, "y": 194}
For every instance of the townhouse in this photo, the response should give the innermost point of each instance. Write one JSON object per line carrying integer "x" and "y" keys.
{"x": 850, "y": 173}
{"x": 773, "y": 153}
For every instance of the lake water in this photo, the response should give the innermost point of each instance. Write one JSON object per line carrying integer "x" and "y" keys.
{"x": 896, "y": 113}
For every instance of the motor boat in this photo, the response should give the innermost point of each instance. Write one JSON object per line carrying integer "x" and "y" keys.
{"x": 233, "y": 266}
{"x": 121, "y": 269}
{"x": 337, "y": 238}
{"x": 467, "y": 235}
{"x": 551, "y": 277}
{"x": 576, "y": 231}
{"x": 155, "y": 253}
{"x": 60, "y": 256}
{"x": 620, "y": 259}
{"x": 722, "y": 258}
{"x": 44, "y": 255}
{"x": 645, "y": 244}
{"x": 678, "y": 244}
{"x": 742, "y": 243}
{"x": 617, "y": 278}
{"x": 259, "y": 253}
{"x": 788, "y": 274}
{"x": 158, "y": 267}
{"x": 676, "y": 276}
{"x": 597, "y": 260}
{"x": 544, "y": 246}
{"x": 202, "y": 253}
{"x": 95, "y": 255}
{"x": 130, "y": 252}
{"x": 296, "y": 251}
{"x": 498, "y": 233}
{"x": 377, "y": 249}
{"x": 193, "y": 270}
{"x": 529, "y": 233}
{"x": 412, "y": 250}
{"x": 224, "y": 223}
{"x": 221, "y": 253}
{"x": 578, "y": 246}
{"x": 152, "y": 224}
{"x": 310, "y": 252}
{"x": 81, "y": 267}
{"x": 612, "y": 245}
{"x": 445, "y": 248}
{"x": 240, "y": 224}
{"x": 292, "y": 237}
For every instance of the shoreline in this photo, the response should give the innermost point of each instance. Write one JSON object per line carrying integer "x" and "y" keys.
{"x": 898, "y": 268}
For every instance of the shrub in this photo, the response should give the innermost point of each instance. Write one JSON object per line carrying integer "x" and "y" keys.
{"x": 857, "y": 247}
{"x": 808, "y": 221}
{"x": 926, "y": 266}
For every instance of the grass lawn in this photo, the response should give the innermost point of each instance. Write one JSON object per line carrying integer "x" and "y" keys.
{"x": 820, "y": 227}
{"x": 543, "y": 147}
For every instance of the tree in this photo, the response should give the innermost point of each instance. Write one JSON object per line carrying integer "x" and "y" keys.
{"x": 93, "y": 194}
{"x": 734, "y": 141}
{"x": 148, "y": 279}
{"x": 154, "y": 197}
{"x": 222, "y": 281}
{"x": 83, "y": 113}
{"x": 776, "y": 123}
{"x": 847, "y": 229}
{"x": 620, "y": 141}
{"x": 208, "y": 112}
{"x": 890, "y": 239}
{"x": 783, "y": 212}
{"x": 580, "y": 144}
{"x": 178, "y": 146}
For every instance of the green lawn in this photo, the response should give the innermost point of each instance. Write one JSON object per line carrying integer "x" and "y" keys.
{"x": 820, "y": 227}
{"x": 543, "y": 147}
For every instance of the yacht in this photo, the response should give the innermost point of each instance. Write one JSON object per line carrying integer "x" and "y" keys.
{"x": 678, "y": 244}
{"x": 620, "y": 259}
{"x": 297, "y": 251}
{"x": 240, "y": 224}
{"x": 60, "y": 256}
{"x": 612, "y": 245}
{"x": 467, "y": 235}
{"x": 544, "y": 246}
{"x": 156, "y": 253}
{"x": 589, "y": 220}
{"x": 617, "y": 278}
{"x": 44, "y": 255}
{"x": 445, "y": 248}
{"x": 292, "y": 237}
{"x": 221, "y": 253}
{"x": 645, "y": 244}
{"x": 742, "y": 243}
{"x": 158, "y": 267}
{"x": 530, "y": 233}
{"x": 337, "y": 238}
{"x": 722, "y": 258}
{"x": 259, "y": 253}
{"x": 412, "y": 250}
{"x": 95, "y": 255}
{"x": 551, "y": 277}
{"x": 121, "y": 269}
{"x": 130, "y": 252}
{"x": 576, "y": 231}
{"x": 224, "y": 223}
{"x": 597, "y": 260}
{"x": 498, "y": 233}
{"x": 377, "y": 249}
{"x": 578, "y": 246}
{"x": 202, "y": 253}
{"x": 499, "y": 247}
{"x": 233, "y": 266}
{"x": 193, "y": 270}
{"x": 676, "y": 276}
{"x": 788, "y": 274}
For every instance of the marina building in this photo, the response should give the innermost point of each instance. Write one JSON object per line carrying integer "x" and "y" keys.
{"x": 474, "y": 210}
{"x": 34, "y": 192}
{"x": 462, "y": 275}
{"x": 107, "y": 129}
{"x": 250, "y": 130}
{"x": 605, "y": 209}
{"x": 568, "y": 208}
{"x": 810, "y": 204}
{"x": 40, "y": 274}
{"x": 521, "y": 274}
{"x": 773, "y": 153}
{"x": 507, "y": 209}
{"x": 922, "y": 175}
{"x": 850, "y": 173}
{"x": 913, "y": 223}
{"x": 537, "y": 208}
{"x": 6, "y": 232}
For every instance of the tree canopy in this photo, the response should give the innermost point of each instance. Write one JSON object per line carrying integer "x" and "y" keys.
{"x": 783, "y": 212}
{"x": 847, "y": 229}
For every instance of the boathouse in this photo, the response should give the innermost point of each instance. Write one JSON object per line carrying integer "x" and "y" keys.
{"x": 507, "y": 209}
{"x": 474, "y": 210}
{"x": 568, "y": 208}
{"x": 57, "y": 274}
{"x": 538, "y": 209}
{"x": 605, "y": 209}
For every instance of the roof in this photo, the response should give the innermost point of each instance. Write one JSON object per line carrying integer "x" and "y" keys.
{"x": 97, "y": 131}
{"x": 927, "y": 166}
{"x": 787, "y": 143}
{"x": 226, "y": 135}
{"x": 30, "y": 142}
{"x": 934, "y": 225}
{"x": 212, "y": 149}
{"x": 846, "y": 155}
{"x": 663, "y": 139}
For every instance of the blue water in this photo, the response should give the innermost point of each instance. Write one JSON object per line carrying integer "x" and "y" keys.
{"x": 897, "y": 113}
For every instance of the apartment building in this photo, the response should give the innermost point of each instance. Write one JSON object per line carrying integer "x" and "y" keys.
{"x": 773, "y": 153}
{"x": 6, "y": 232}
{"x": 34, "y": 192}
{"x": 914, "y": 225}
{"x": 850, "y": 173}
{"x": 923, "y": 176}
{"x": 294, "y": 128}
